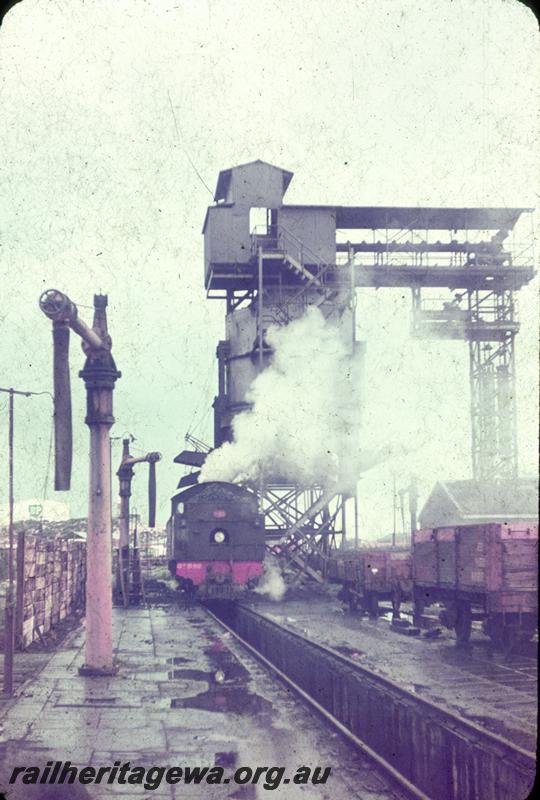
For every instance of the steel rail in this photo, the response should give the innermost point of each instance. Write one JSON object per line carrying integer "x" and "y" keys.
{"x": 483, "y": 659}
{"x": 397, "y": 776}
{"x": 428, "y": 704}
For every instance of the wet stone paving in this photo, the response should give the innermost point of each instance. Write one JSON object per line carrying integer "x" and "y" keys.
{"x": 186, "y": 694}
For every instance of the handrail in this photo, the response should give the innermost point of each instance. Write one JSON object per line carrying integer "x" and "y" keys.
{"x": 282, "y": 235}
{"x": 303, "y": 247}
{"x": 321, "y": 266}
{"x": 293, "y": 246}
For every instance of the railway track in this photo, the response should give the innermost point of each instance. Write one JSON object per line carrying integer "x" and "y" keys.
{"x": 517, "y": 672}
{"x": 429, "y": 751}
{"x": 517, "y": 669}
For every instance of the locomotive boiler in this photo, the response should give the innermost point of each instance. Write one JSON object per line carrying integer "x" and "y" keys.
{"x": 215, "y": 540}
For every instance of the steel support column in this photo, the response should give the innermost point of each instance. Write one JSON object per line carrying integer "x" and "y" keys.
{"x": 492, "y": 384}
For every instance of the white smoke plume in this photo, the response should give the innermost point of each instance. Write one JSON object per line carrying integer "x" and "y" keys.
{"x": 272, "y": 583}
{"x": 304, "y": 424}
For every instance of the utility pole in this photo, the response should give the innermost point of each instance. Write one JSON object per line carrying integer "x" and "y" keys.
{"x": 401, "y": 494}
{"x": 99, "y": 375}
{"x": 9, "y": 620}
{"x": 125, "y": 476}
{"x": 9, "y": 626}
{"x": 260, "y": 340}
{"x": 413, "y": 506}
{"x": 394, "y": 510}
{"x": 354, "y": 350}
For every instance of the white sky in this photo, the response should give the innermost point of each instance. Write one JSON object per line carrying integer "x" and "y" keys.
{"x": 432, "y": 102}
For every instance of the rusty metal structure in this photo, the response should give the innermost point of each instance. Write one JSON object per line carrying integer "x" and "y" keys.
{"x": 269, "y": 261}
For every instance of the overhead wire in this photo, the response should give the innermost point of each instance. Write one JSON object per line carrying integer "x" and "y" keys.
{"x": 25, "y": 394}
{"x": 19, "y": 393}
{"x": 49, "y": 455}
{"x": 195, "y": 423}
{"x": 180, "y": 138}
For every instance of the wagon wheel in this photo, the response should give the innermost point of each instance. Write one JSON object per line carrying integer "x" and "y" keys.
{"x": 344, "y": 596}
{"x": 510, "y": 640}
{"x": 504, "y": 637}
{"x": 419, "y": 606}
{"x": 353, "y": 602}
{"x": 373, "y": 605}
{"x": 495, "y": 630}
{"x": 396, "y": 604}
{"x": 463, "y": 623}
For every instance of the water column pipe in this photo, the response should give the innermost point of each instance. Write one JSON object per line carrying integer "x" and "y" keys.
{"x": 99, "y": 375}
{"x": 125, "y": 476}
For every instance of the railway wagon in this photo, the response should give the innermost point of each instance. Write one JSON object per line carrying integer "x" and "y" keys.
{"x": 369, "y": 575}
{"x": 480, "y": 572}
{"x": 215, "y": 540}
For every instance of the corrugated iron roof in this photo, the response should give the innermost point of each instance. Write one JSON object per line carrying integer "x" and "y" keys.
{"x": 471, "y": 501}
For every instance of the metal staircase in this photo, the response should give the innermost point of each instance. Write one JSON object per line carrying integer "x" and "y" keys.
{"x": 304, "y": 266}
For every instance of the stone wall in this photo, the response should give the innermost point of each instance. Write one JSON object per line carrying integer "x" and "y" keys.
{"x": 51, "y": 576}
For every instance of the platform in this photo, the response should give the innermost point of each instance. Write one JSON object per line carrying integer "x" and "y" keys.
{"x": 185, "y": 694}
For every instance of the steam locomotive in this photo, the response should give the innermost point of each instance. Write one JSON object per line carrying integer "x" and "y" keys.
{"x": 215, "y": 540}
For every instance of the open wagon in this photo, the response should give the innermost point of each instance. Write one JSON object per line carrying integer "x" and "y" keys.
{"x": 369, "y": 575}
{"x": 487, "y": 572}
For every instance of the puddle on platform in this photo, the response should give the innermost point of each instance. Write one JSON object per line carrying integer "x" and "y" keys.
{"x": 223, "y": 699}
{"x": 190, "y": 674}
{"x": 225, "y": 667}
{"x": 227, "y": 686}
{"x": 227, "y": 760}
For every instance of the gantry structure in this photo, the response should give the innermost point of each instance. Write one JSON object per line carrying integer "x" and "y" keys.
{"x": 269, "y": 261}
